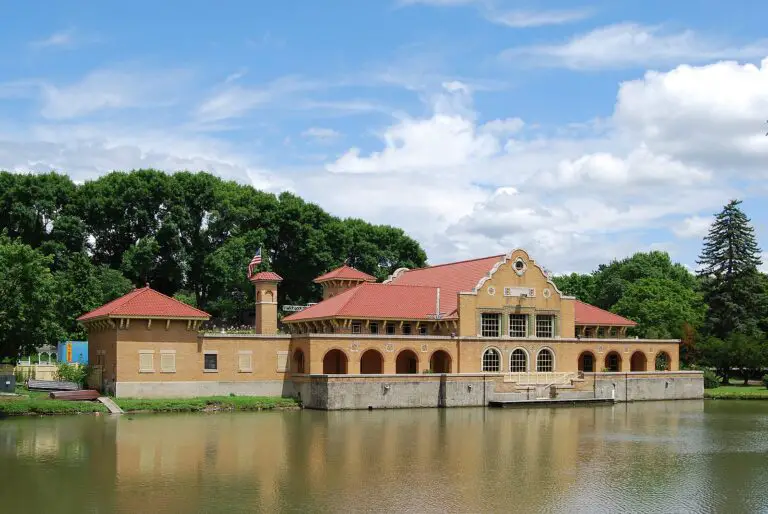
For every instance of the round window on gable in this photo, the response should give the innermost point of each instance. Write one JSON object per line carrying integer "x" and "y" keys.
{"x": 519, "y": 266}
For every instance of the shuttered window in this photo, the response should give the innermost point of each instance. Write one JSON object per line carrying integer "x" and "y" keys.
{"x": 245, "y": 362}
{"x": 282, "y": 362}
{"x": 167, "y": 361}
{"x": 146, "y": 361}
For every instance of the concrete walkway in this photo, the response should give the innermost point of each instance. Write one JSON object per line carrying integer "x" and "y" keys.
{"x": 111, "y": 406}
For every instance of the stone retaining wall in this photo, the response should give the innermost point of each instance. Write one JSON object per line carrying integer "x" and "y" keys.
{"x": 328, "y": 392}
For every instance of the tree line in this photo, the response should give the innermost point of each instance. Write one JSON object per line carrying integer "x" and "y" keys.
{"x": 67, "y": 248}
{"x": 720, "y": 312}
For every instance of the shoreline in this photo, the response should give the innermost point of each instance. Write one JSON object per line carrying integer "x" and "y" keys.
{"x": 37, "y": 404}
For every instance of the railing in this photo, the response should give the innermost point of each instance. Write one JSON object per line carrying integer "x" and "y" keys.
{"x": 540, "y": 378}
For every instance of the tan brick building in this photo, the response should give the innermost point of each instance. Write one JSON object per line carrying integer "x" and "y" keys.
{"x": 498, "y": 316}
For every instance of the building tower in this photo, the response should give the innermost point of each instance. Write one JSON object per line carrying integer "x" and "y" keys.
{"x": 265, "y": 283}
{"x": 341, "y": 279}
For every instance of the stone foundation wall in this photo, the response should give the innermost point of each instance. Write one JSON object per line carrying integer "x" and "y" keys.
{"x": 196, "y": 389}
{"x": 329, "y": 392}
{"x": 651, "y": 385}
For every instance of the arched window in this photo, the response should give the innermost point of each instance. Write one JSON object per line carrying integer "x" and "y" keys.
{"x": 492, "y": 360}
{"x": 518, "y": 361}
{"x": 545, "y": 361}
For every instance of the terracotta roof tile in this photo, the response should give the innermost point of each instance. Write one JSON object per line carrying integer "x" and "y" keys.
{"x": 345, "y": 273}
{"x": 451, "y": 278}
{"x": 410, "y": 295}
{"x": 369, "y": 300}
{"x": 266, "y": 275}
{"x": 587, "y": 314}
{"x": 145, "y": 302}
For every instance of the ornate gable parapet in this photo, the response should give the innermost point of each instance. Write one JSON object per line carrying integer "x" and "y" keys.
{"x": 396, "y": 274}
{"x": 504, "y": 260}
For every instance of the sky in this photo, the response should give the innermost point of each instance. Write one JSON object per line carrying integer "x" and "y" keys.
{"x": 580, "y": 131}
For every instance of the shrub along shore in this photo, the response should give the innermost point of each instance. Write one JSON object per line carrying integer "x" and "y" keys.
{"x": 38, "y": 403}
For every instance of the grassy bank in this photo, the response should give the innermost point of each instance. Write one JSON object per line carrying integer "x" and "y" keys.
{"x": 733, "y": 392}
{"x": 36, "y": 402}
{"x": 206, "y": 404}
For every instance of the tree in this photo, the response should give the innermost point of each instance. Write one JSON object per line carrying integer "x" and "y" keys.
{"x": 26, "y": 289}
{"x": 612, "y": 280}
{"x": 731, "y": 282}
{"x": 581, "y": 286}
{"x": 79, "y": 287}
{"x": 661, "y": 307}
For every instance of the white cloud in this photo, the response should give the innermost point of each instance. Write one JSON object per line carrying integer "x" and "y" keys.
{"x": 692, "y": 227}
{"x": 111, "y": 89}
{"x": 515, "y": 18}
{"x": 322, "y": 133}
{"x": 632, "y": 45}
{"x": 525, "y": 19}
{"x": 466, "y": 187}
{"x": 64, "y": 38}
{"x": 233, "y": 101}
{"x": 503, "y": 127}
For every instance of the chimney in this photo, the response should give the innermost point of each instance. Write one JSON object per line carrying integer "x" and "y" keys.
{"x": 437, "y": 306}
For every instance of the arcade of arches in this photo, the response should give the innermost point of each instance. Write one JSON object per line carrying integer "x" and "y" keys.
{"x": 336, "y": 362}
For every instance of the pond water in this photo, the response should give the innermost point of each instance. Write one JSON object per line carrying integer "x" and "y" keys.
{"x": 639, "y": 457}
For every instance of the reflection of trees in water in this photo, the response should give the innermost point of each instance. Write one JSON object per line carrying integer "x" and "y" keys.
{"x": 651, "y": 454}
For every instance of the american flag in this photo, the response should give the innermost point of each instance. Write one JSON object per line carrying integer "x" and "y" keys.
{"x": 254, "y": 262}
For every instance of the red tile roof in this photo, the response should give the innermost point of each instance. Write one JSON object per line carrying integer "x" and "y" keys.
{"x": 370, "y": 300}
{"x": 345, "y": 273}
{"x": 145, "y": 302}
{"x": 451, "y": 278}
{"x": 412, "y": 294}
{"x": 590, "y": 315}
{"x": 266, "y": 275}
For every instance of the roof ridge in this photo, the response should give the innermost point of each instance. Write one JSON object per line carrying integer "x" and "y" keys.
{"x": 400, "y": 285}
{"x": 127, "y": 297}
{"x": 457, "y": 262}
{"x": 147, "y": 289}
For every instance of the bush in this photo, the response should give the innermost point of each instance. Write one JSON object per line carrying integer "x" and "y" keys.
{"x": 765, "y": 381}
{"x": 73, "y": 373}
{"x": 710, "y": 379}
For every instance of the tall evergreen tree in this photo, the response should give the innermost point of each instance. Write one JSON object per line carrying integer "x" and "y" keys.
{"x": 729, "y": 271}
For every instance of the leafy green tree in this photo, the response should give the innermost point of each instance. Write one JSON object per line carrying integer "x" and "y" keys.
{"x": 661, "y": 307}
{"x": 612, "y": 280}
{"x": 26, "y": 291}
{"x": 582, "y": 286}
{"x": 731, "y": 282}
{"x": 79, "y": 287}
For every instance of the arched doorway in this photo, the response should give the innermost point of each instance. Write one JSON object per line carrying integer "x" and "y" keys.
{"x": 613, "y": 362}
{"x": 587, "y": 362}
{"x": 335, "y": 363}
{"x": 298, "y": 361}
{"x": 440, "y": 362}
{"x": 371, "y": 362}
{"x": 407, "y": 362}
{"x": 663, "y": 362}
{"x": 638, "y": 362}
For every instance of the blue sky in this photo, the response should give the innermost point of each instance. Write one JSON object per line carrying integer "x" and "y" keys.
{"x": 582, "y": 131}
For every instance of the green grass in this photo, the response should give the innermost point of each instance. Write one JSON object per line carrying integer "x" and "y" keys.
{"x": 205, "y": 404}
{"x": 735, "y": 392}
{"x": 38, "y": 402}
